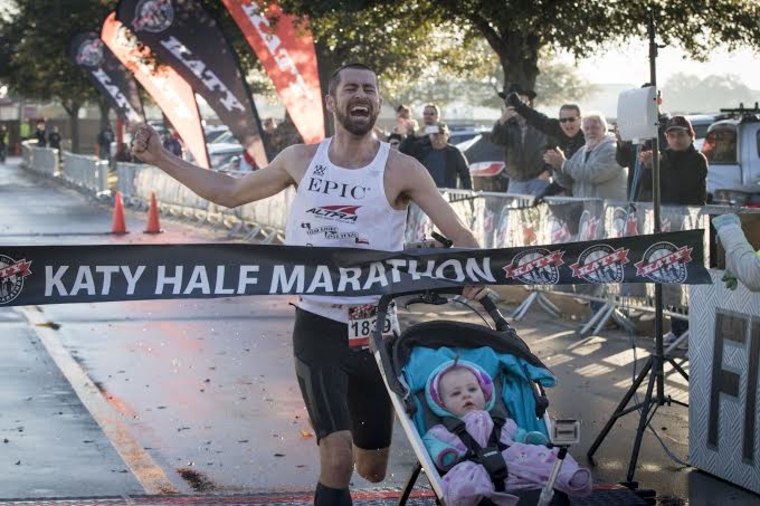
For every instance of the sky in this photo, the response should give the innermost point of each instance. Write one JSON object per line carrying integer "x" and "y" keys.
{"x": 630, "y": 64}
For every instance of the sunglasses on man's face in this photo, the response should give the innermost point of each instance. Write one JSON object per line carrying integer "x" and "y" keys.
{"x": 571, "y": 119}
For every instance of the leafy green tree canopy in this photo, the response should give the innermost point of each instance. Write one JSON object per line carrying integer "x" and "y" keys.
{"x": 519, "y": 30}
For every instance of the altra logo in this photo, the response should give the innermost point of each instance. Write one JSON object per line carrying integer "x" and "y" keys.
{"x": 341, "y": 213}
{"x": 12, "y": 274}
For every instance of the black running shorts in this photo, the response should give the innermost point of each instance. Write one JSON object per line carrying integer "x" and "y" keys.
{"x": 341, "y": 386}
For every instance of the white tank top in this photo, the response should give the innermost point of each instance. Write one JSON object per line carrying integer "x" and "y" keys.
{"x": 348, "y": 208}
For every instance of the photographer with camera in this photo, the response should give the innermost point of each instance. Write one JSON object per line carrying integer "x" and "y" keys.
{"x": 524, "y": 147}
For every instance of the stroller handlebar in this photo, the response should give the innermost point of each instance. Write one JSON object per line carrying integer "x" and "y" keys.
{"x": 490, "y": 306}
{"x": 434, "y": 297}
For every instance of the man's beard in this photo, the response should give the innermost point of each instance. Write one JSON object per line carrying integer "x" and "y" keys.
{"x": 356, "y": 128}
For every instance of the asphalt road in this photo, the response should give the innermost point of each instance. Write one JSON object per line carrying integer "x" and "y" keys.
{"x": 128, "y": 398}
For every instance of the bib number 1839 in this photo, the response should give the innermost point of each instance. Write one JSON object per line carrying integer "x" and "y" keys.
{"x": 362, "y": 320}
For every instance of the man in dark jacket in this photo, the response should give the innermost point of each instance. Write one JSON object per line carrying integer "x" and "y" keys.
{"x": 54, "y": 138}
{"x": 104, "y": 140}
{"x": 565, "y": 130}
{"x": 41, "y": 134}
{"x": 683, "y": 169}
{"x": 524, "y": 148}
{"x": 444, "y": 161}
{"x": 683, "y": 181}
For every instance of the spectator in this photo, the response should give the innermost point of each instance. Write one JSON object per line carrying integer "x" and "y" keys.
{"x": 445, "y": 162}
{"x": 394, "y": 140}
{"x": 431, "y": 114}
{"x": 103, "y": 147}
{"x": 683, "y": 169}
{"x": 592, "y": 171}
{"x": 741, "y": 259}
{"x": 641, "y": 190}
{"x": 3, "y": 142}
{"x": 286, "y": 133}
{"x": 269, "y": 127}
{"x": 420, "y": 142}
{"x": 54, "y": 138}
{"x": 683, "y": 180}
{"x": 405, "y": 125}
{"x": 40, "y": 134}
{"x": 524, "y": 148}
{"x": 566, "y": 130}
{"x": 123, "y": 153}
{"x": 172, "y": 144}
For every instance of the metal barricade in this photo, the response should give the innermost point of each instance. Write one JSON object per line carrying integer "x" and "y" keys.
{"x": 86, "y": 173}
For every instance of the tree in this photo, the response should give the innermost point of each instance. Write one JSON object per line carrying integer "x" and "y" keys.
{"x": 398, "y": 40}
{"x": 519, "y": 30}
{"x": 35, "y": 39}
{"x": 557, "y": 83}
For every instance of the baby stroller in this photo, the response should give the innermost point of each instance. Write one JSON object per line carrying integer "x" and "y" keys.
{"x": 406, "y": 361}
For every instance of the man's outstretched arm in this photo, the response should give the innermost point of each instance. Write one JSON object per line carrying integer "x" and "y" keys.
{"x": 214, "y": 186}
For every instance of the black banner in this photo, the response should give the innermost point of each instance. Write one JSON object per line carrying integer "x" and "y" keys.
{"x": 109, "y": 76}
{"x": 185, "y": 37}
{"x": 64, "y": 274}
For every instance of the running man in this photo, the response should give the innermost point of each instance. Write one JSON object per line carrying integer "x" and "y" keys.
{"x": 352, "y": 191}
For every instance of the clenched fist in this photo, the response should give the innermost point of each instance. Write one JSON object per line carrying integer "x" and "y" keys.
{"x": 146, "y": 145}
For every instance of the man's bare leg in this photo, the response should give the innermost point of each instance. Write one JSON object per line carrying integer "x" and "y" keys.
{"x": 336, "y": 464}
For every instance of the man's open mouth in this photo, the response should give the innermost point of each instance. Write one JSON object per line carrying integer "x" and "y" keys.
{"x": 359, "y": 111}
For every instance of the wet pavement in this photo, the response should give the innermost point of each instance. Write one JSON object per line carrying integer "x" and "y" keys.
{"x": 197, "y": 397}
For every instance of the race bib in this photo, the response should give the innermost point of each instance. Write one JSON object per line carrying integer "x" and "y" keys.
{"x": 362, "y": 320}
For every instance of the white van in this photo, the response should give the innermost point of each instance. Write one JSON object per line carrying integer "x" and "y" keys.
{"x": 732, "y": 148}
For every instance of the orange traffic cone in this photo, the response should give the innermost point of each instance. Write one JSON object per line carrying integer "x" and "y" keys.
{"x": 153, "y": 226}
{"x": 118, "y": 226}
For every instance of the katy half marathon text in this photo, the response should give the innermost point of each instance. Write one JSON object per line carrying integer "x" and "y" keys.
{"x": 161, "y": 280}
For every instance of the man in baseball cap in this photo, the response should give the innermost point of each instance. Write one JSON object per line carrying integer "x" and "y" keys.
{"x": 680, "y": 123}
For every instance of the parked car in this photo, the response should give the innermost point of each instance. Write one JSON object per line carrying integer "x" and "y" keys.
{"x": 214, "y": 132}
{"x": 462, "y": 133}
{"x": 224, "y": 137}
{"x": 743, "y": 196}
{"x": 221, "y": 153}
{"x": 701, "y": 122}
{"x": 732, "y": 148}
{"x": 486, "y": 163}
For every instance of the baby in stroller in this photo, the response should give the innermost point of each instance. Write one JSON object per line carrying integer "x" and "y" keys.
{"x": 462, "y": 394}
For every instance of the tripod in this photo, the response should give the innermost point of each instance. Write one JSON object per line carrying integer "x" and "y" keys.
{"x": 655, "y": 393}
